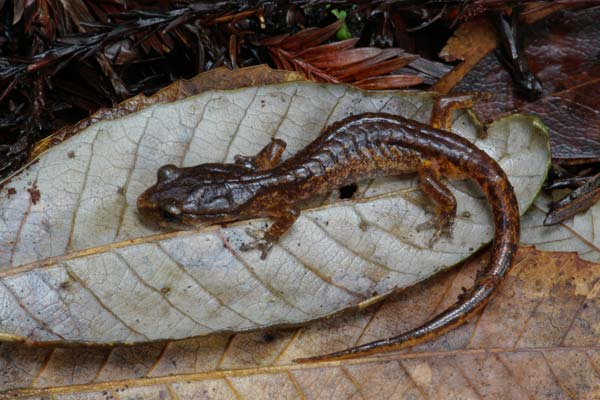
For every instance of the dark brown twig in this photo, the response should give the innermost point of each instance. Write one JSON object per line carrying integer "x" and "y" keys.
{"x": 575, "y": 202}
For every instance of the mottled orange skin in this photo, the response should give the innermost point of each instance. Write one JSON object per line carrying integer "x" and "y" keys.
{"x": 358, "y": 147}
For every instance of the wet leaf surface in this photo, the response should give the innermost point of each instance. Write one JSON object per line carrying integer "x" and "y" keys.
{"x": 536, "y": 339}
{"x": 563, "y": 53}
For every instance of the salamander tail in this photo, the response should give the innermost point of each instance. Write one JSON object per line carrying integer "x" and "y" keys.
{"x": 505, "y": 214}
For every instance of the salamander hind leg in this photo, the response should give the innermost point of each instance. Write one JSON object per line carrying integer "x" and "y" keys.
{"x": 444, "y": 107}
{"x": 285, "y": 217}
{"x": 431, "y": 183}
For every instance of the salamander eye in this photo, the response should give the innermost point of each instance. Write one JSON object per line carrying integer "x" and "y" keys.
{"x": 170, "y": 211}
{"x": 167, "y": 173}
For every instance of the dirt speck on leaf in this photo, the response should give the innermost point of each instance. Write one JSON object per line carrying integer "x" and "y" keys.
{"x": 34, "y": 192}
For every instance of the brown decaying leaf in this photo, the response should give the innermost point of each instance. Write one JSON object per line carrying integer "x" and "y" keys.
{"x": 365, "y": 67}
{"x": 536, "y": 339}
{"x": 536, "y": 11}
{"x": 562, "y": 52}
{"x": 471, "y": 42}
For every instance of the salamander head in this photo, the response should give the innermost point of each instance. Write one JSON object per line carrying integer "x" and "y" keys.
{"x": 202, "y": 195}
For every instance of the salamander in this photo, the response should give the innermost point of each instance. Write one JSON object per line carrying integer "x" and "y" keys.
{"x": 357, "y": 147}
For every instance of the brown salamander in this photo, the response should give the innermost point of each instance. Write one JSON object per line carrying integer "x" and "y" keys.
{"x": 354, "y": 148}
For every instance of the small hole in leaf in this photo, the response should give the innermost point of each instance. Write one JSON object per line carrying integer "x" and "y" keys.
{"x": 346, "y": 192}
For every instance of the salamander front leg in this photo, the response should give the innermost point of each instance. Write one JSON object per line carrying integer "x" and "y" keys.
{"x": 263, "y": 240}
{"x": 266, "y": 159}
{"x": 430, "y": 180}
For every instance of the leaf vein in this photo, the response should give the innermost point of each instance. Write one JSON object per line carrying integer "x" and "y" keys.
{"x": 23, "y": 222}
{"x": 558, "y": 381}
{"x": 124, "y": 261}
{"x": 125, "y": 187}
{"x": 239, "y": 125}
{"x": 296, "y": 385}
{"x": 318, "y": 273}
{"x": 71, "y": 273}
{"x": 263, "y": 283}
{"x": 43, "y": 368}
{"x": 412, "y": 380}
{"x": 355, "y": 253}
{"x": 353, "y": 382}
{"x": 466, "y": 378}
{"x": 188, "y": 143}
{"x": 81, "y": 192}
{"x": 42, "y": 324}
{"x": 285, "y": 113}
{"x": 201, "y": 286}
{"x": 576, "y": 313}
{"x": 514, "y": 378}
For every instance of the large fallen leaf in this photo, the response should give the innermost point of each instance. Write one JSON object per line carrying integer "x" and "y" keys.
{"x": 538, "y": 338}
{"x": 80, "y": 267}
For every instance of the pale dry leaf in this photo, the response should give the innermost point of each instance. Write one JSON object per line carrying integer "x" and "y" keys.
{"x": 79, "y": 266}
{"x": 578, "y": 233}
{"x": 536, "y": 339}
